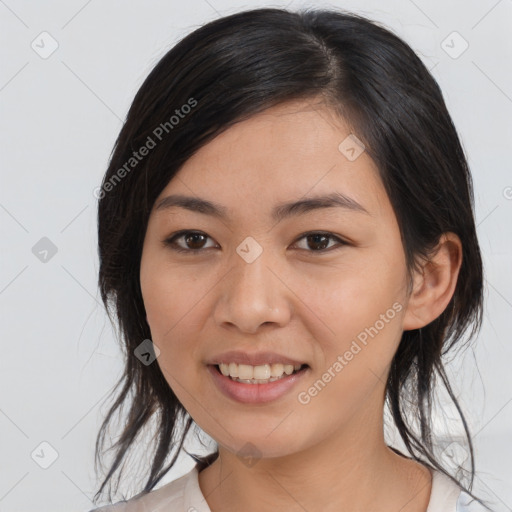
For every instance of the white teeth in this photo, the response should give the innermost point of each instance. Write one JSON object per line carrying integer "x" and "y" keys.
{"x": 276, "y": 370}
{"x": 260, "y": 374}
{"x": 245, "y": 371}
{"x": 233, "y": 369}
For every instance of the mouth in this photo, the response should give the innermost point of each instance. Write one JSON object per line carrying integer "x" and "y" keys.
{"x": 256, "y": 384}
{"x": 261, "y": 374}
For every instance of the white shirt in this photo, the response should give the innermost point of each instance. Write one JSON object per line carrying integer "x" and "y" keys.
{"x": 184, "y": 495}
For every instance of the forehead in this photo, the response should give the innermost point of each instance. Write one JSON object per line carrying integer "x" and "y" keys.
{"x": 285, "y": 153}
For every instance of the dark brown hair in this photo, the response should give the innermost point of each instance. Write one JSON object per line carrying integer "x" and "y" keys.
{"x": 240, "y": 65}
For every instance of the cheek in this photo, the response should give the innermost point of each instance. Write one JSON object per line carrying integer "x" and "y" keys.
{"x": 169, "y": 294}
{"x": 361, "y": 310}
{"x": 173, "y": 307}
{"x": 353, "y": 299}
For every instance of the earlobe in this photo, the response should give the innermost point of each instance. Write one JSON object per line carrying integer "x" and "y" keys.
{"x": 434, "y": 284}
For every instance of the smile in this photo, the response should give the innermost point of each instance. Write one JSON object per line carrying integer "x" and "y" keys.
{"x": 261, "y": 374}
{"x": 256, "y": 390}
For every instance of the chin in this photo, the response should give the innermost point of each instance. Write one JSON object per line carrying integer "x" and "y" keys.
{"x": 253, "y": 444}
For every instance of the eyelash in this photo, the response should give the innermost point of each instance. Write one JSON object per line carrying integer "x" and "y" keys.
{"x": 171, "y": 241}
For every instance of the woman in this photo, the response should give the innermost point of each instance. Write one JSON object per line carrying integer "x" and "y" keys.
{"x": 286, "y": 236}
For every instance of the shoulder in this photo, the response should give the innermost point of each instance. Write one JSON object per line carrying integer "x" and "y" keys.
{"x": 446, "y": 496}
{"x": 172, "y": 496}
{"x": 466, "y": 503}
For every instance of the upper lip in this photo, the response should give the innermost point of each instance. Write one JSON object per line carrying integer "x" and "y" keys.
{"x": 253, "y": 359}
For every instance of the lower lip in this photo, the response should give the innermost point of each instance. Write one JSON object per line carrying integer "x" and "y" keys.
{"x": 255, "y": 393}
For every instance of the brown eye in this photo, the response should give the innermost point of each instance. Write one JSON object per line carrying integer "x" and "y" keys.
{"x": 318, "y": 242}
{"x": 193, "y": 241}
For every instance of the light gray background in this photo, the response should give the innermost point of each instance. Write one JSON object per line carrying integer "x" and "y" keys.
{"x": 59, "y": 119}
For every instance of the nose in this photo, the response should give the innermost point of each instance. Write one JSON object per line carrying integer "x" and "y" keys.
{"x": 252, "y": 295}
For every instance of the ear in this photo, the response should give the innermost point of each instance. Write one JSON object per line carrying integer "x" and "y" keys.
{"x": 434, "y": 284}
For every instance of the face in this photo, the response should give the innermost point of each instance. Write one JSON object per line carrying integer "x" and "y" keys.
{"x": 247, "y": 280}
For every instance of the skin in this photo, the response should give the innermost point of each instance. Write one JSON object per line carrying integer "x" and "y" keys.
{"x": 294, "y": 299}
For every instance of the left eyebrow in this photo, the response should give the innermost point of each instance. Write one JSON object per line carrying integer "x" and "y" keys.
{"x": 279, "y": 212}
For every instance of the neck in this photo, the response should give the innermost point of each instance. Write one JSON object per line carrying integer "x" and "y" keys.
{"x": 353, "y": 469}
